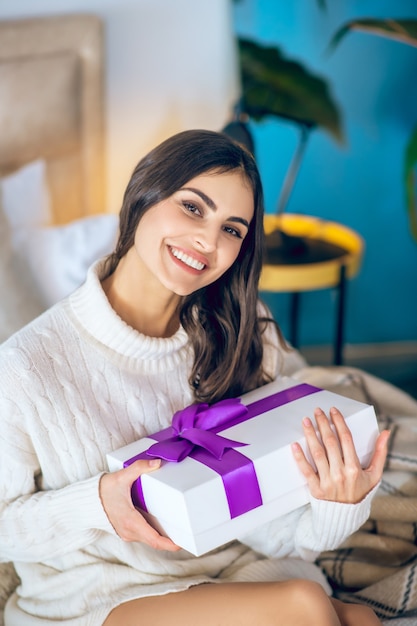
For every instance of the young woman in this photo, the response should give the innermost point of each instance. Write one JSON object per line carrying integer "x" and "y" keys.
{"x": 170, "y": 318}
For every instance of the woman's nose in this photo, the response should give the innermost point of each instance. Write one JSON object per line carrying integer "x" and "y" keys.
{"x": 207, "y": 238}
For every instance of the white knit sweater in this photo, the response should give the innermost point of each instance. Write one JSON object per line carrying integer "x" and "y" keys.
{"x": 75, "y": 384}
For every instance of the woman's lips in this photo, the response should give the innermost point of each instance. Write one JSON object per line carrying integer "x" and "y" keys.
{"x": 188, "y": 259}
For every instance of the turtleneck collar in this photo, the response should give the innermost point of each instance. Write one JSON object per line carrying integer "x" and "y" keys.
{"x": 92, "y": 309}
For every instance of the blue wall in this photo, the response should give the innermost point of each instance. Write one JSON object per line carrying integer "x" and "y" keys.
{"x": 375, "y": 83}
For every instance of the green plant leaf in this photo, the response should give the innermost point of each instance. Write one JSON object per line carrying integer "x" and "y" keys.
{"x": 400, "y": 30}
{"x": 410, "y": 175}
{"x": 275, "y": 85}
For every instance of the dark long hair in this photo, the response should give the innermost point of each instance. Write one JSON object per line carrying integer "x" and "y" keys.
{"x": 222, "y": 319}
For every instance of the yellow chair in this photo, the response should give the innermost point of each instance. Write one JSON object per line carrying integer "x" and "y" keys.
{"x": 309, "y": 272}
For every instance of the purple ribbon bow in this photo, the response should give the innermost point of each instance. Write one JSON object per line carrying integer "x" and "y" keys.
{"x": 193, "y": 427}
{"x": 189, "y": 435}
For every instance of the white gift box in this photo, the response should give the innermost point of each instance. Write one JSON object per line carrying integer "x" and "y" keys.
{"x": 199, "y": 509}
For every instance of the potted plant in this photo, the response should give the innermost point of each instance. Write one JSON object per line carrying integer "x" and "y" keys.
{"x": 273, "y": 85}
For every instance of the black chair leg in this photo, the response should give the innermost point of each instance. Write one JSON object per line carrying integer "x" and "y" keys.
{"x": 340, "y": 317}
{"x": 294, "y": 314}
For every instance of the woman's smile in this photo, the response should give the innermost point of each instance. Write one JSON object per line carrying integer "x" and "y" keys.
{"x": 189, "y": 260}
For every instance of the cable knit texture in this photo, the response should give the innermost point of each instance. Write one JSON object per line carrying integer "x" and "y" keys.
{"x": 77, "y": 383}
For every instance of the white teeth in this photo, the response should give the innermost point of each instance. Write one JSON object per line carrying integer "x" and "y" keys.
{"x": 188, "y": 260}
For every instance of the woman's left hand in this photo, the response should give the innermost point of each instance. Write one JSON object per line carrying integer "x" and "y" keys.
{"x": 339, "y": 476}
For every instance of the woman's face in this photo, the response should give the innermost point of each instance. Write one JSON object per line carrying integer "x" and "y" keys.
{"x": 189, "y": 240}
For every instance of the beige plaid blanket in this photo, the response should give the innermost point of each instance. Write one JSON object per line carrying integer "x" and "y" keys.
{"x": 377, "y": 565}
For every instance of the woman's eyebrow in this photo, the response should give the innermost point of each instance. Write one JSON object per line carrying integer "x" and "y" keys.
{"x": 212, "y": 205}
{"x": 241, "y": 220}
{"x": 205, "y": 198}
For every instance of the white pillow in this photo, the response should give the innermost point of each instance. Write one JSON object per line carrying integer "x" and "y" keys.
{"x": 58, "y": 257}
{"x": 41, "y": 264}
{"x": 25, "y": 195}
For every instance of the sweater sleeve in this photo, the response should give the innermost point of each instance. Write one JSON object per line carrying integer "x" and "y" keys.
{"x": 38, "y": 521}
{"x": 44, "y": 524}
{"x": 307, "y": 531}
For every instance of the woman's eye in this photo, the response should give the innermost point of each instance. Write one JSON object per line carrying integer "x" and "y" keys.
{"x": 233, "y": 231}
{"x": 191, "y": 208}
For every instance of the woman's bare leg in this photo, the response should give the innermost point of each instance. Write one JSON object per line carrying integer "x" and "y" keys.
{"x": 295, "y": 602}
{"x": 355, "y": 614}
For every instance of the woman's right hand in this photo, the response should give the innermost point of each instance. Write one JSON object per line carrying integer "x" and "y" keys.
{"x": 128, "y": 523}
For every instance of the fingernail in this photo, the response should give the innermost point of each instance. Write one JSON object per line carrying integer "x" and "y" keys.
{"x": 154, "y": 462}
{"x": 307, "y": 422}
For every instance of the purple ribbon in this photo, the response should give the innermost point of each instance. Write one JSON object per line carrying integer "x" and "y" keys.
{"x": 192, "y": 427}
{"x": 193, "y": 433}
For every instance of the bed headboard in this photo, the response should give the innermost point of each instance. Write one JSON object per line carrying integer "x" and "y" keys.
{"x": 51, "y": 107}
{"x": 53, "y": 220}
